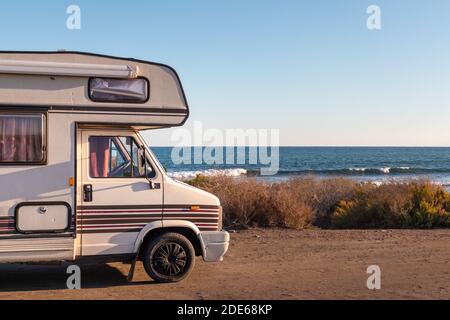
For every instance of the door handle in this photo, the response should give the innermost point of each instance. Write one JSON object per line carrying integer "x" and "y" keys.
{"x": 154, "y": 185}
{"x": 87, "y": 193}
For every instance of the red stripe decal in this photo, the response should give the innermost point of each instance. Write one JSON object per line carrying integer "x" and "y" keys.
{"x": 119, "y": 211}
{"x": 112, "y": 226}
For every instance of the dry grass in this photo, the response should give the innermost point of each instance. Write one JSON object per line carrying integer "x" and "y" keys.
{"x": 251, "y": 203}
{"x": 332, "y": 203}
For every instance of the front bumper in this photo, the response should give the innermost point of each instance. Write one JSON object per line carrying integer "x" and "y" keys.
{"x": 215, "y": 245}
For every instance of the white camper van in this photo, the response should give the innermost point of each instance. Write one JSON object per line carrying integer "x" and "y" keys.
{"x": 77, "y": 180}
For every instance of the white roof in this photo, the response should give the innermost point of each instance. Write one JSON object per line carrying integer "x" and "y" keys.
{"x": 58, "y": 82}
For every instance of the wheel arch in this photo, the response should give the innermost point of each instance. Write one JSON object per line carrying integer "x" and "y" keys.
{"x": 186, "y": 228}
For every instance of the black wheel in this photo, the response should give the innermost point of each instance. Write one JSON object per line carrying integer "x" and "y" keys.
{"x": 169, "y": 257}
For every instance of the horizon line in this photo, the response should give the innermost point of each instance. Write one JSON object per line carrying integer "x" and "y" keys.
{"x": 302, "y": 146}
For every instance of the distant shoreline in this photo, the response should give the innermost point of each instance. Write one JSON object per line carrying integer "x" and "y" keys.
{"x": 304, "y": 146}
{"x": 375, "y": 164}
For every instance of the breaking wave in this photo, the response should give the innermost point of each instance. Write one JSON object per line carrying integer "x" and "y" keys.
{"x": 368, "y": 171}
{"x": 186, "y": 175}
{"x": 354, "y": 171}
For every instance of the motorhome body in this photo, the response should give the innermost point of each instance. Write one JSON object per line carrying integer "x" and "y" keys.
{"x": 77, "y": 180}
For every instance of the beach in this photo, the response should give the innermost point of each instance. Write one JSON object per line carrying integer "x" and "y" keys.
{"x": 269, "y": 264}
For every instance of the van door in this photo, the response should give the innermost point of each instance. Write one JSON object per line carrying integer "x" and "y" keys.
{"x": 116, "y": 200}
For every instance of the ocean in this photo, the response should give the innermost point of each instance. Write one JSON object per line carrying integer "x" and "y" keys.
{"x": 375, "y": 164}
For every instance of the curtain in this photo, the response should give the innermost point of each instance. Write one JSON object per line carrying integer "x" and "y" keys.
{"x": 21, "y": 138}
{"x": 99, "y": 150}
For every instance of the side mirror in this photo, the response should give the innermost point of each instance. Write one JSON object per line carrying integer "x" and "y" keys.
{"x": 143, "y": 159}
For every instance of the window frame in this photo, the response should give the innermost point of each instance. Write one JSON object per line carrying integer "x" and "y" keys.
{"x": 120, "y": 150}
{"x": 109, "y": 101}
{"x": 136, "y": 141}
{"x": 44, "y": 160}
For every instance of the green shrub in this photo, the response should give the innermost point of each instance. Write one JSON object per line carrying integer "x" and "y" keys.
{"x": 394, "y": 205}
{"x": 430, "y": 206}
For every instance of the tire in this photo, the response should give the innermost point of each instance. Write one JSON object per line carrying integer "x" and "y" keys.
{"x": 169, "y": 257}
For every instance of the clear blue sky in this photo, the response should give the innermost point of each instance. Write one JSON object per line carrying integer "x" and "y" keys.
{"x": 310, "y": 68}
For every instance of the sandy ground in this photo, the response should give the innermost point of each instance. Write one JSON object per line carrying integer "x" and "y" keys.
{"x": 269, "y": 264}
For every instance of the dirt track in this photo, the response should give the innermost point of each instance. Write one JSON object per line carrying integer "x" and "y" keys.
{"x": 269, "y": 264}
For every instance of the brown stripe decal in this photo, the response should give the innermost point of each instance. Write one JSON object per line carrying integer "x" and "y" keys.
{"x": 7, "y": 225}
{"x": 118, "y": 219}
{"x": 131, "y": 207}
{"x": 6, "y": 232}
{"x": 190, "y": 214}
{"x": 183, "y": 206}
{"x": 118, "y": 216}
{"x": 87, "y": 212}
{"x": 109, "y": 221}
{"x": 8, "y": 229}
{"x": 197, "y": 220}
{"x": 191, "y": 211}
{"x": 132, "y": 218}
{"x": 110, "y": 230}
{"x": 117, "y": 207}
{"x": 131, "y": 230}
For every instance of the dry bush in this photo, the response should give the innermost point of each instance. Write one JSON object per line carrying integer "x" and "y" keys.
{"x": 249, "y": 202}
{"x": 244, "y": 202}
{"x": 288, "y": 210}
{"x": 321, "y": 195}
{"x": 330, "y": 203}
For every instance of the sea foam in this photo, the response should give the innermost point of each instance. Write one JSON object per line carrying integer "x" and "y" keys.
{"x": 385, "y": 170}
{"x": 186, "y": 175}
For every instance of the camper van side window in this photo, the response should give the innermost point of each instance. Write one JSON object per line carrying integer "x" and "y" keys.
{"x": 115, "y": 157}
{"x": 118, "y": 90}
{"x": 22, "y": 139}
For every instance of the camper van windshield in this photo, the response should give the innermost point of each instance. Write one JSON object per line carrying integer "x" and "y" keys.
{"x": 22, "y": 138}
